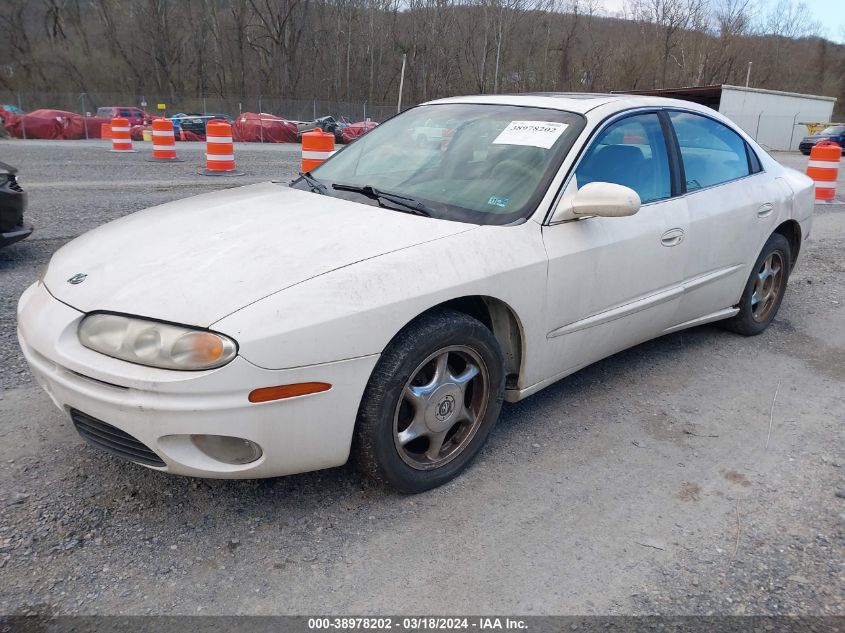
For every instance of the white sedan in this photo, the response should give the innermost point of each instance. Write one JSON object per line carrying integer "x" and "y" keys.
{"x": 389, "y": 301}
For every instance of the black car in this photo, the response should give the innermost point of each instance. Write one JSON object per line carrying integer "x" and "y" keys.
{"x": 835, "y": 133}
{"x": 332, "y": 126}
{"x": 195, "y": 122}
{"x": 12, "y": 205}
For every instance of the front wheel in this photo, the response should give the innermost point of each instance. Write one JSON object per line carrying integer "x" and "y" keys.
{"x": 431, "y": 402}
{"x": 764, "y": 290}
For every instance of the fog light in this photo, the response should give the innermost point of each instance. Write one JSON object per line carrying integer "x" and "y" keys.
{"x": 232, "y": 450}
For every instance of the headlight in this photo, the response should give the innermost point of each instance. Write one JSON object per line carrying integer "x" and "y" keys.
{"x": 155, "y": 344}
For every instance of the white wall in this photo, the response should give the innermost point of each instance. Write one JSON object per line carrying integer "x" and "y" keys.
{"x": 772, "y": 118}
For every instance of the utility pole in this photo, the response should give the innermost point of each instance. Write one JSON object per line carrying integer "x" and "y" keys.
{"x": 748, "y": 74}
{"x": 84, "y": 120}
{"x": 401, "y": 84}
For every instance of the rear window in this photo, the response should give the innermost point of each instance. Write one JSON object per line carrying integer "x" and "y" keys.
{"x": 834, "y": 130}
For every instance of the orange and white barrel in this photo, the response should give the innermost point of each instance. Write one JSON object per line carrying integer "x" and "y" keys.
{"x": 317, "y": 146}
{"x": 164, "y": 143}
{"x": 823, "y": 168}
{"x": 219, "y": 149}
{"x": 121, "y": 140}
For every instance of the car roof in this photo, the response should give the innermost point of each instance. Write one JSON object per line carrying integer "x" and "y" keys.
{"x": 578, "y": 102}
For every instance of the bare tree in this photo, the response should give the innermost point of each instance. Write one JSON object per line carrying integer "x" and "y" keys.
{"x": 233, "y": 51}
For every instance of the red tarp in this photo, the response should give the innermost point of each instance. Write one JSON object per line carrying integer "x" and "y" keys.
{"x": 268, "y": 129}
{"x": 53, "y": 124}
{"x": 356, "y": 130}
{"x": 187, "y": 135}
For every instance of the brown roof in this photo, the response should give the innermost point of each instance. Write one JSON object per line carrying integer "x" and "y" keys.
{"x": 705, "y": 95}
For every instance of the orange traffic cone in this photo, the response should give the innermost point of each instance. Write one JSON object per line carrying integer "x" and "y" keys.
{"x": 220, "y": 151}
{"x": 164, "y": 143}
{"x": 121, "y": 140}
{"x": 823, "y": 169}
{"x": 317, "y": 146}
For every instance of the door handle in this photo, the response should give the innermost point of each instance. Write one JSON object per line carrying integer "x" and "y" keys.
{"x": 765, "y": 210}
{"x": 672, "y": 237}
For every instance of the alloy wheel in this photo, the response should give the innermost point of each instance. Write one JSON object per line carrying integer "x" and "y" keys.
{"x": 767, "y": 286}
{"x": 441, "y": 407}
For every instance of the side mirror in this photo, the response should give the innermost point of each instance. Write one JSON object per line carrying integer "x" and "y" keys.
{"x": 605, "y": 199}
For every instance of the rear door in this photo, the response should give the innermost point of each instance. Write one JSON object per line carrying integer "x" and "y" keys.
{"x": 732, "y": 208}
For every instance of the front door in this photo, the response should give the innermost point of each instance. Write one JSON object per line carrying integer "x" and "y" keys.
{"x": 615, "y": 282}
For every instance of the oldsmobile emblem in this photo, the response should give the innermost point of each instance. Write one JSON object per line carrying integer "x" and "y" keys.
{"x": 445, "y": 408}
{"x": 78, "y": 278}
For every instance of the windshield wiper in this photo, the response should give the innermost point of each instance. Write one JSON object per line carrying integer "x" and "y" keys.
{"x": 315, "y": 185}
{"x": 406, "y": 204}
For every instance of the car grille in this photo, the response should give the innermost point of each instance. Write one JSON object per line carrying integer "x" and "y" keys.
{"x": 113, "y": 440}
{"x": 14, "y": 186}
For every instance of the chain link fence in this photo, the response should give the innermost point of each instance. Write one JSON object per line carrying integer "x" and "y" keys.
{"x": 285, "y": 107}
{"x": 776, "y": 132}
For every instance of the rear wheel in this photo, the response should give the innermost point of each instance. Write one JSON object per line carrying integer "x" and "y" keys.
{"x": 431, "y": 402}
{"x": 764, "y": 290}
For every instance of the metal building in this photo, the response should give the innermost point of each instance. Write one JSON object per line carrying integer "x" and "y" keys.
{"x": 774, "y": 119}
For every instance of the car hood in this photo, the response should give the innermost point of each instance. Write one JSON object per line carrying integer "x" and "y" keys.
{"x": 197, "y": 260}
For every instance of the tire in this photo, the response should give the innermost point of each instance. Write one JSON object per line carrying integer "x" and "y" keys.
{"x": 431, "y": 402}
{"x": 765, "y": 286}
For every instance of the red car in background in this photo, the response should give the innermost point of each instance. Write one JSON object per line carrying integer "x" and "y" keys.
{"x": 354, "y": 131}
{"x": 136, "y": 116}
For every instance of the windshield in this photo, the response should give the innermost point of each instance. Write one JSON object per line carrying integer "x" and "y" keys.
{"x": 833, "y": 130}
{"x": 485, "y": 164}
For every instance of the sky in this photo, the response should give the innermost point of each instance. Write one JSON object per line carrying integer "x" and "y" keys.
{"x": 831, "y": 13}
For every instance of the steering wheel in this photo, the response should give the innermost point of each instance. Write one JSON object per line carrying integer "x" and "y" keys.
{"x": 511, "y": 170}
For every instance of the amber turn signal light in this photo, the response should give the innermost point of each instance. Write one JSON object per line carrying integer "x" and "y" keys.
{"x": 281, "y": 392}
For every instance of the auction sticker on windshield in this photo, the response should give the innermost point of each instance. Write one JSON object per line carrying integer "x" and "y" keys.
{"x": 533, "y": 133}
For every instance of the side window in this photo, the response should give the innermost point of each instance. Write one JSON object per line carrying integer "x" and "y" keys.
{"x": 630, "y": 152}
{"x": 753, "y": 160}
{"x": 712, "y": 152}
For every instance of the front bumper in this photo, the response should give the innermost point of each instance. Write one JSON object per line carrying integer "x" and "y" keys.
{"x": 15, "y": 234}
{"x": 12, "y": 206}
{"x": 163, "y": 408}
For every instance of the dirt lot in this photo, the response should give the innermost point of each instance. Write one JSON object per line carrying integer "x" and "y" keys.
{"x": 640, "y": 485}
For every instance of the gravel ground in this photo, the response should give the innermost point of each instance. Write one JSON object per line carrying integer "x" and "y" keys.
{"x": 640, "y": 485}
